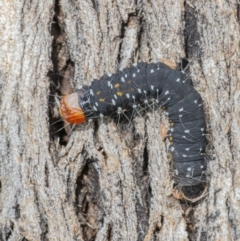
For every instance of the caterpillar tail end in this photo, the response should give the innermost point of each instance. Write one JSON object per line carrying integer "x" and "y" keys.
{"x": 70, "y": 110}
{"x": 191, "y": 194}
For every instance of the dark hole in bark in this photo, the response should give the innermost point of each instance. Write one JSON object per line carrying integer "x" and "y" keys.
{"x": 17, "y": 211}
{"x": 238, "y": 11}
{"x": 95, "y": 4}
{"x": 145, "y": 161}
{"x": 157, "y": 230}
{"x": 60, "y": 85}
{"x": 56, "y": 125}
{"x": 46, "y": 175}
{"x": 191, "y": 34}
{"x": 58, "y": 76}
{"x": 96, "y": 127}
{"x": 109, "y": 233}
{"x": 141, "y": 162}
{"x": 6, "y": 232}
{"x": 190, "y": 223}
{"x": 185, "y": 65}
{"x": 87, "y": 199}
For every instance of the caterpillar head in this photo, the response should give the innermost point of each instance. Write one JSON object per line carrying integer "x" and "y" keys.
{"x": 70, "y": 109}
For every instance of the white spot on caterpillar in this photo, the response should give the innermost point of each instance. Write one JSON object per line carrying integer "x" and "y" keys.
{"x": 176, "y": 172}
{"x": 122, "y": 79}
{"x": 128, "y": 96}
{"x": 113, "y": 102}
{"x": 115, "y": 96}
{"x": 180, "y": 116}
{"x": 94, "y": 107}
{"x": 134, "y": 106}
{"x": 152, "y": 87}
{"x": 178, "y": 80}
{"x": 172, "y": 148}
{"x": 195, "y": 101}
{"x": 187, "y": 149}
{"x": 184, "y": 155}
{"x": 109, "y": 74}
{"x": 101, "y": 115}
{"x": 180, "y": 110}
{"x": 189, "y": 169}
{"x": 152, "y": 70}
{"x": 139, "y": 90}
{"x": 91, "y": 92}
{"x": 125, "y": 75}
{"x": 119, "y": 110}
{"x": 202, "y": 166}
{"x": 96, "y": 103}
{"x": 187, "y": 131}
{"x": 138, "y": 70}
{"x": 109, "y": 83}
{"x": 134, "y": 64}
{"x": 171, "y": 129}
{"x": 167, "y": 92}
{"x": 134, "y": 75}
{"x": 145, "y": 101}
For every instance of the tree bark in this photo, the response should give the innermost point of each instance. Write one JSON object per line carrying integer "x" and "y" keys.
{"x": 103, "y": 180}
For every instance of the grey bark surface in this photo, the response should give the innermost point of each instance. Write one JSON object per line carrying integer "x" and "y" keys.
{"x": 105, "y": 181}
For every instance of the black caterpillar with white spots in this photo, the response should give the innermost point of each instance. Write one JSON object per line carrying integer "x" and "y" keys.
{"x": 144, "y": 85}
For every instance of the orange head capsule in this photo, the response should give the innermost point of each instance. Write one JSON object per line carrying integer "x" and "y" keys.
{"x": 70, "y": 109}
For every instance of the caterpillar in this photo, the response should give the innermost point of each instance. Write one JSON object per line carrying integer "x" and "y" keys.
{"x": 144, "y": 85}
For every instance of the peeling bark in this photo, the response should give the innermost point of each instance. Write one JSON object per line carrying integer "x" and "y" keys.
{"x": 103, "y": 181}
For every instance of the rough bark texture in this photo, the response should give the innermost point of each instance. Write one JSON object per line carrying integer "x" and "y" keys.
{"x": 102, "y": 181}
